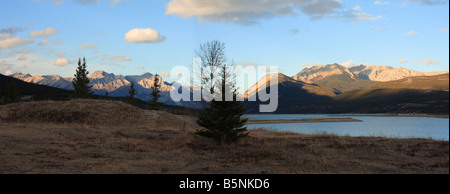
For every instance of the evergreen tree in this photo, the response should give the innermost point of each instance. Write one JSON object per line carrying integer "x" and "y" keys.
{"x": 222, "y": 119}
{"x": 132, "y": 92}
{"x": 107, "y": 95}
{"x": 156, "y": 94}
{"x": 12, "y": 93}
{"x": 2, "y": 98}
{"x": 81, "y": 81}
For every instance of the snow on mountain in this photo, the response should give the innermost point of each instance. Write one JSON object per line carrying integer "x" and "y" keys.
{"x": 115, "y": 85}
{"x": 373, "y": 73}
{"x": 386, "y": 73}
{"x": 310, "y": 75}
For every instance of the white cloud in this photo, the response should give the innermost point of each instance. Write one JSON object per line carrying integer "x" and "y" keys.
{"x": 6, "y": 36}
{"x": 141, "y": 35}
{"x": 381, "y": 2}
{"x": 365, "y": 17}
{"x": 88, "y": 46}
{"x": 444, "y": 29}
{"x": 87, "y": 1}
{"x": 14, "y": 42}
{"x": 4, "y": 65}
{"x": 425, "y": 2}
{"x": 379, "y": 29}
{"x": 140, "y": 67}
{"x": 61, "y": 62}
{"x": 411, "y": 33}
{"x": 349, "y": 64}
{"x": 12, "y": 30}
{"x": 43, "y": 42}
{"x": 22, "y": 58}
{"x": 402, "y": 61}
{"x": 249, "y": 11}
{"x": 427, "y": 62}
{"x": 119, "y": 58}
{"x": 20, "y": 51}
{"x": 357, "y": 7}
{"x": 35, "y": 64}
{"x": 165, "y": 74}
{"x": 60, "y": 55}
{"x": 9, "y": 32}
{"x": 47, "y": 32}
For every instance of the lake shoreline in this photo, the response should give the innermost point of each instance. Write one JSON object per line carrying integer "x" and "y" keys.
{"x": 313, "y": 120}
{"x": 398, "y": 126}
{"x": 375, "y": 115}
{"x": 44, "y": 148}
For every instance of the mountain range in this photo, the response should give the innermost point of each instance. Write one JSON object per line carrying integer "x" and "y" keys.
{"x": 337, "y": 89}
{"x": 115, "y": 85}
{"x": 316, "y": 89}
{"x": 342, "y": 79}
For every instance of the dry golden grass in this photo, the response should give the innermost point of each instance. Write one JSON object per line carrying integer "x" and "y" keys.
{"x": 91, "y": 113}
{"x": 157, "y": 143}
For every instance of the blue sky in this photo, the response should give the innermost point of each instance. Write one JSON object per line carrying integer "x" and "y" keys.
{"x": 129, "y": 37}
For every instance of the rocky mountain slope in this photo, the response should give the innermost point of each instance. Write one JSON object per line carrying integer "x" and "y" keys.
{"x": 423, "y": 94}
{"x": 291, "y": 93}
{"x": 372, "y": 73}
{"x": 386, "y": 73}
{"x": 316, "y": 73}
{"x": 342, "y": 79}
{"x": 115, "y": 85}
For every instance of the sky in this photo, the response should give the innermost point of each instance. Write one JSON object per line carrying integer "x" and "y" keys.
{"x": 131, "y": 37}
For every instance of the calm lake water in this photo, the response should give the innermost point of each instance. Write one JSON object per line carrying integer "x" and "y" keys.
{"x": 379, "y": 126}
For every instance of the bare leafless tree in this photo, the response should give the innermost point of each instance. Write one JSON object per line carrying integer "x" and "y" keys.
{"x": 212, "y": 54}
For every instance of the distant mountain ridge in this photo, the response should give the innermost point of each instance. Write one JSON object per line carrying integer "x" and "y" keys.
{"x": 115, "y": 85}
{"x": 311, "y": 85}
{"x": 420, "y": 94}
{"x": 386, "y": 73}
{"x": 372, "y": 73}
{"x": 342, "y": 79}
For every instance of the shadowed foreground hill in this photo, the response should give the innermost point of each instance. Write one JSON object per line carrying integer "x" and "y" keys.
{"x": 37, "y": 91}
{"x": 113, "y": 137}
{"x": 91, "y": 113}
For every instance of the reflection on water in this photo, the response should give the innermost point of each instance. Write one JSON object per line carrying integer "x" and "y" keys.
{"x": 396, "y": 127}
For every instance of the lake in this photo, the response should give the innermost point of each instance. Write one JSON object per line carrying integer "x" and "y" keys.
{"x": 371, "y": 125}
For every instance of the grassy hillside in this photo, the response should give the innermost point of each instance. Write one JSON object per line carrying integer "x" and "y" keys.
{"x": 41, "y": 92}
{"x": 127, "y": 140}
{"x": 90, "y": 112}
